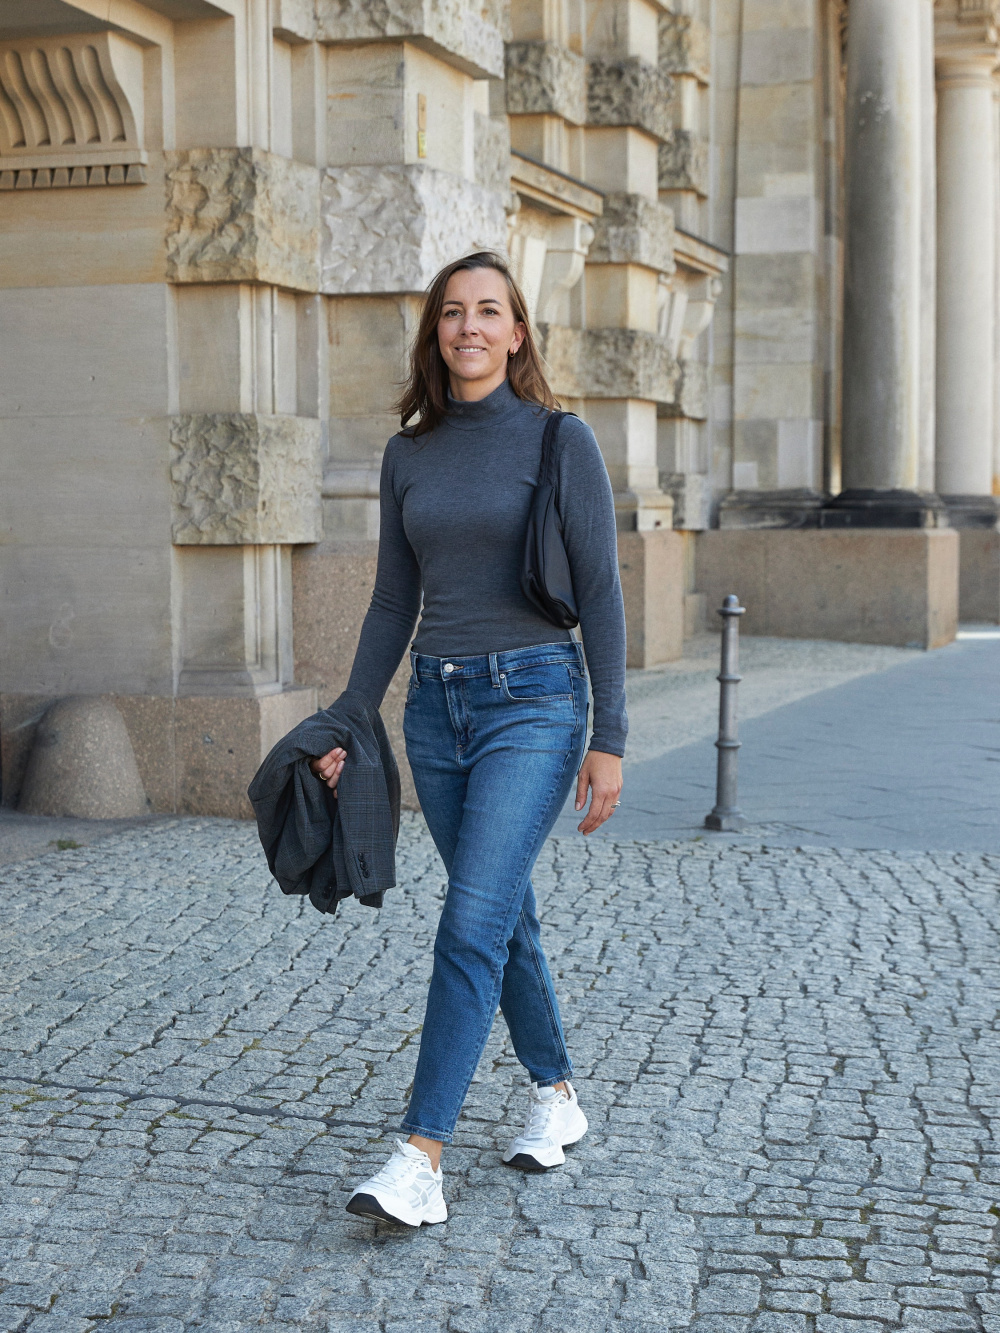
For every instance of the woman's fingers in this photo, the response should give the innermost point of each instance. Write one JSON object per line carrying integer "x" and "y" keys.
{"x": 328, "y": 767}
{"x": 601, "y": 808}
{"x": 602, "y": 774}
{"x": 582, "y": 783}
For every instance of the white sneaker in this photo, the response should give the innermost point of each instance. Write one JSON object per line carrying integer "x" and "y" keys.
{"x": 554, "y": 1122}
{"x": 406, "y": 1190}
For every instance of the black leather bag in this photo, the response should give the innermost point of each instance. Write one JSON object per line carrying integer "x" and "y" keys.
{"x": 546, "y": 580}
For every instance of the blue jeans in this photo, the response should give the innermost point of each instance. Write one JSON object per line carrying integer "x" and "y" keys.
{"x": 495, "y": 743}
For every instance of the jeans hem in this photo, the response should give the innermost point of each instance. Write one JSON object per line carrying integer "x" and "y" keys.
{"x": 551, "y": 1082}
{"x": 438, "y": 1135}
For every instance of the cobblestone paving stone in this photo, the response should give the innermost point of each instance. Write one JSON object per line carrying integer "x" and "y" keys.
{"x": 789, "y": 1059}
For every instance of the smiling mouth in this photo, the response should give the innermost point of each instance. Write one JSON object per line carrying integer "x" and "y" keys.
{"x": 470, "y": 349}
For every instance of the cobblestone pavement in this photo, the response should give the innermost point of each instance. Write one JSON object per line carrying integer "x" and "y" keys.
{"x": 789, "y": 1059}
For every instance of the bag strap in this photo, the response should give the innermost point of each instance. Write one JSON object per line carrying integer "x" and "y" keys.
{"x": 550, "y": 435}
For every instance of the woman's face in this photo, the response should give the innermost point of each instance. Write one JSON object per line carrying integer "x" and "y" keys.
{"x": 477, "y": 332}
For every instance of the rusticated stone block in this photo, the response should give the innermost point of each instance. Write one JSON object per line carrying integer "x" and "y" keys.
{"x": 390, "y": 228}
{"x": 685, "y": 46}
{"x": 471, "y": 33}
{"x": 546, "y": 77}
{"x": 629, "y": 92}
{"x": 242, "y": 215}
{"x": 245, "y": 479}
{"x": 492, "y": 152}
{"x": 609, "y": 363}
{"x": 633, "y": 230}
{"x": 683, "y": 162}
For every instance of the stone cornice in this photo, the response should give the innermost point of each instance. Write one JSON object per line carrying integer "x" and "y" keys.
{"x": 556, "y": 191}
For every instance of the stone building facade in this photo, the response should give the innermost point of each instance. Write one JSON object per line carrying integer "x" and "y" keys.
{"x": 759, "y": 241}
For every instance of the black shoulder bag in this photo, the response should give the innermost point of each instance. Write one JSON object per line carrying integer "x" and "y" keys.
{"x": 545, "y": 574}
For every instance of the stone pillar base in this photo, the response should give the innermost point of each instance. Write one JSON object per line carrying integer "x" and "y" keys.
{"x": 799, "y": 508}
{"x": 873, "y": 585}
{"x": 196, "y": 756}
{"x": 979, "y": 575}
{"x": 651, "y": 564}
{"x": 884, "y": 509}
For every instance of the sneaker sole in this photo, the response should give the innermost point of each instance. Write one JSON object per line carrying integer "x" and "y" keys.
{"x": 523, "y": 1162}
{"x": 366, "y": 1205}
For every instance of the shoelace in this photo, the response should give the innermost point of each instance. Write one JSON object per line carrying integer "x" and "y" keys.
{"x": 540, "y": 1114}
{"x": 396, "y": 1167}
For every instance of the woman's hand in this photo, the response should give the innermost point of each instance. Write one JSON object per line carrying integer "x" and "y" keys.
{"x": 602, "y": 773}
{"x": 329, "y": 766}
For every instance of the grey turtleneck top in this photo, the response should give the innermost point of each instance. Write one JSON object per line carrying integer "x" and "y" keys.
{"x": 454, "y": 508}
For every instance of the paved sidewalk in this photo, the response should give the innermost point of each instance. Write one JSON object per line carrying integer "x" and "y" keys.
{"x": 905, "y": 757}
{"x": 789, "y": 1059}
{"x": 789, "y": 1053}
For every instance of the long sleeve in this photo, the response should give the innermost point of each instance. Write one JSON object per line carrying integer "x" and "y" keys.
{"x": 587, "y": 509}
{"x": 395, "y": 604}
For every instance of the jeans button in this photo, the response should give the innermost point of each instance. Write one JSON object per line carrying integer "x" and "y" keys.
{"x": 448, "y": 667}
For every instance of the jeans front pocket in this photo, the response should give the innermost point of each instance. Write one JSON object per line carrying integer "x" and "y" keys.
{"x": 542, "y": 682}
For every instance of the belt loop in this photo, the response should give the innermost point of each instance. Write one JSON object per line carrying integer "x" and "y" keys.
{"x": 413, "y": 667}
{"x": 494, "y": 673}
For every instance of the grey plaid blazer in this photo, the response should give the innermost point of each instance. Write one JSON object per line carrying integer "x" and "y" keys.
{"x": 331, "y": 847}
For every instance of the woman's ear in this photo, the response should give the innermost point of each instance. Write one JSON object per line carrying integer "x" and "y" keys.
{"x": 518, "y": 338}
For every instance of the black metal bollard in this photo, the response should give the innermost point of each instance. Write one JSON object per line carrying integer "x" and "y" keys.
{"x": 727, "y": 816}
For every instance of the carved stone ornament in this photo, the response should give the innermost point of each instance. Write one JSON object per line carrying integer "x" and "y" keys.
{"x": 244, "y": 479}
{"x": 71, "y": 112}
{"x": 390, "y": 228}
{"x": 609, "y": 363}
{"x": 468, "y": 33}
{"x": 546, "y": 78}
{"x": 242, "y": 215}
{"x": 629, "y": 92}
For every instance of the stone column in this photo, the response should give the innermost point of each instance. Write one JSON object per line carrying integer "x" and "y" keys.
{"x": 882, "y": 342}
{"x": 928, "y": 250}
{"x": 966, "y": 213}
{"x": 965, "y": 65}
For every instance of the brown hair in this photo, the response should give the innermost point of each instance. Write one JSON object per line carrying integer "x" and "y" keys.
{"x": 425, "y": 395}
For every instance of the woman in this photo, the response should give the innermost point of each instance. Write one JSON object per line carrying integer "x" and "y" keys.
{"x": 496, "y": 711}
